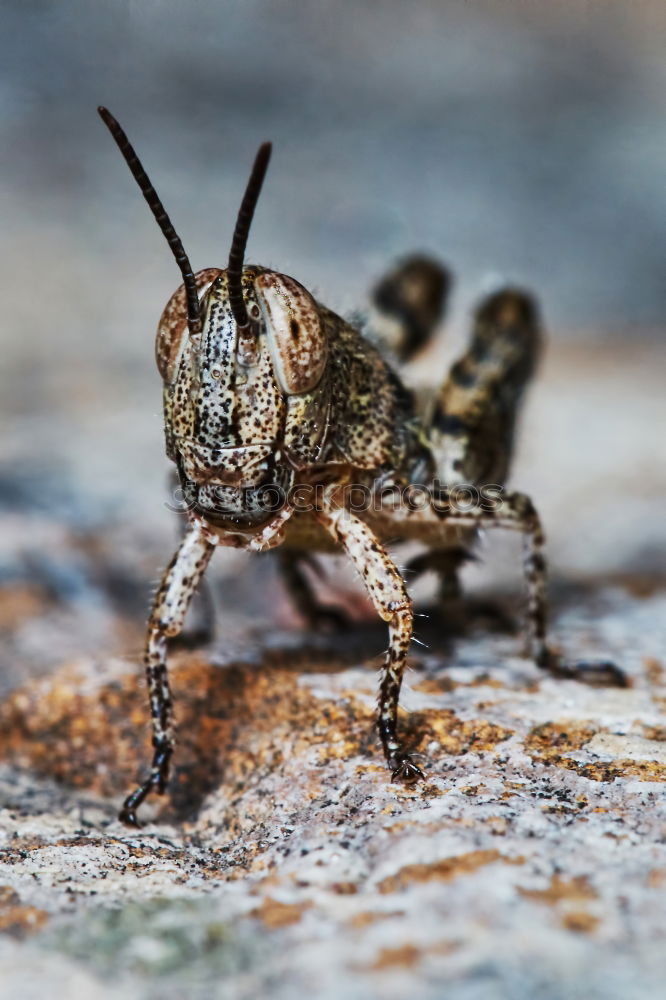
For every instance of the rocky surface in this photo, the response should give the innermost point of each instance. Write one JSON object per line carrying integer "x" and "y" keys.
{"x": 530, "y": 863}
{"x": 284, "y": 863}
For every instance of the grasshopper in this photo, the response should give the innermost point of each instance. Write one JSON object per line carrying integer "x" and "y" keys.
{"x": 289, "y": 427}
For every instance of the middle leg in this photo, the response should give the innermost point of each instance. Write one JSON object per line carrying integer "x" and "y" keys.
{"x": 318, "y": 617}
{"x": 446, "y": 564}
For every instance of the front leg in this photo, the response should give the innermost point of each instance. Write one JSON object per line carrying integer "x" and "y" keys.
{"x": 199, "y": 628}
{"x": 388, "y": 593}
{"x": 166, "y": 620}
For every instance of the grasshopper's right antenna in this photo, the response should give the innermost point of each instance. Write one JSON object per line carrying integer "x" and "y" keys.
{"x": 241, "y": 233}
{"x": 161, "y": 218}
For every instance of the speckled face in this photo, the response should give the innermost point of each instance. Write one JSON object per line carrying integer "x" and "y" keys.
{"x": 229, "y": 393}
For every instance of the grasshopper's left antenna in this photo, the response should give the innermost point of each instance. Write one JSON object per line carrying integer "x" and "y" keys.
{"x": 161, "y": 218}
{"x": 241, "y": 232}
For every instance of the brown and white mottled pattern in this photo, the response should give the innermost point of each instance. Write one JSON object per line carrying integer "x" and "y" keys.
{"x": 296, "y": 337}
{"x": 473, "y": 423}
{"x": 172, "y": 332}
{"x": 166, "y": 620}
{"x": 300, "y": 400}
{"x": 389, "y": 596}
{"x": 408, "y": 304}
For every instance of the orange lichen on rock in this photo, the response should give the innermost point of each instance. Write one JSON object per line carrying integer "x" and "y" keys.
{"x": 368, "y": 917}
{"x": 657, "y": 733}
{"x": 561, "y": 893}
{"x": 17, "y": 919}
{"x": 408, "y": 955}
{"x": 274, "y": 914}
{"x": 657, "y": 878}
{"x": 554, "y": 738}
{"x": 233, "y": 721}
{"x": 455, "y": 736}
{"x": 561, "y": 889}
{"x": 580, "y": 921}
{"x": 405, "y": 956}
{"x": 235, "y": 724}
{"x": 443, "y": 684}
{"x": 345, "y": 888}
{"x": 655, "y": 670}
{"x": 499, "y": 826}
{"x": 549, "y": 743}
{"x": 19, "y": 604}
{"x": 443, "y": 870}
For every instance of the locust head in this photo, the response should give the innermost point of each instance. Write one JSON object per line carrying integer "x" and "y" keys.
{"x": 242, "y": 352}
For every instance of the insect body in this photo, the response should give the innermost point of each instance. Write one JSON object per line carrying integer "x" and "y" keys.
{"x": 278, "y": 413}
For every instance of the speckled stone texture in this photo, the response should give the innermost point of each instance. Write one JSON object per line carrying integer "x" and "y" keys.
{"x": 284, "y": 863}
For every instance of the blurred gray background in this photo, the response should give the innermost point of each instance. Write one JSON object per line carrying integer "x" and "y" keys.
{"x": 517, "y": 139}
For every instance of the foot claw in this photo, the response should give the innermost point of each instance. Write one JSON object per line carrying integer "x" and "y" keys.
{"x": 600, "y": 673}
{"x": 129, "y": 818}
{"x": 157, "y": 782}
{"x": 596, "y": 673}
{"x": 404, "y": 769}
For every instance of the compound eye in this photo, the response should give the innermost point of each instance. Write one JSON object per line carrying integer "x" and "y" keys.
{"x": 172, "y": 332}
{"x": 294, "y": 331}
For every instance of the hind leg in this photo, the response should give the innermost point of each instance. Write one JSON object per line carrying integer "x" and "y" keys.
{"x": 456, "y": 611}
{"x": 317, "y": 616}
{"x": 472, "y": 423}
{"x": 446, "y": 563}
{"x": 516, "y": 512}
{"x": 408, "y": 305}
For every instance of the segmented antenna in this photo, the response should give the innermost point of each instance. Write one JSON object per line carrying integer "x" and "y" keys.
{"x": 161, "y": 218}
{"x": 241, "y": 232}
